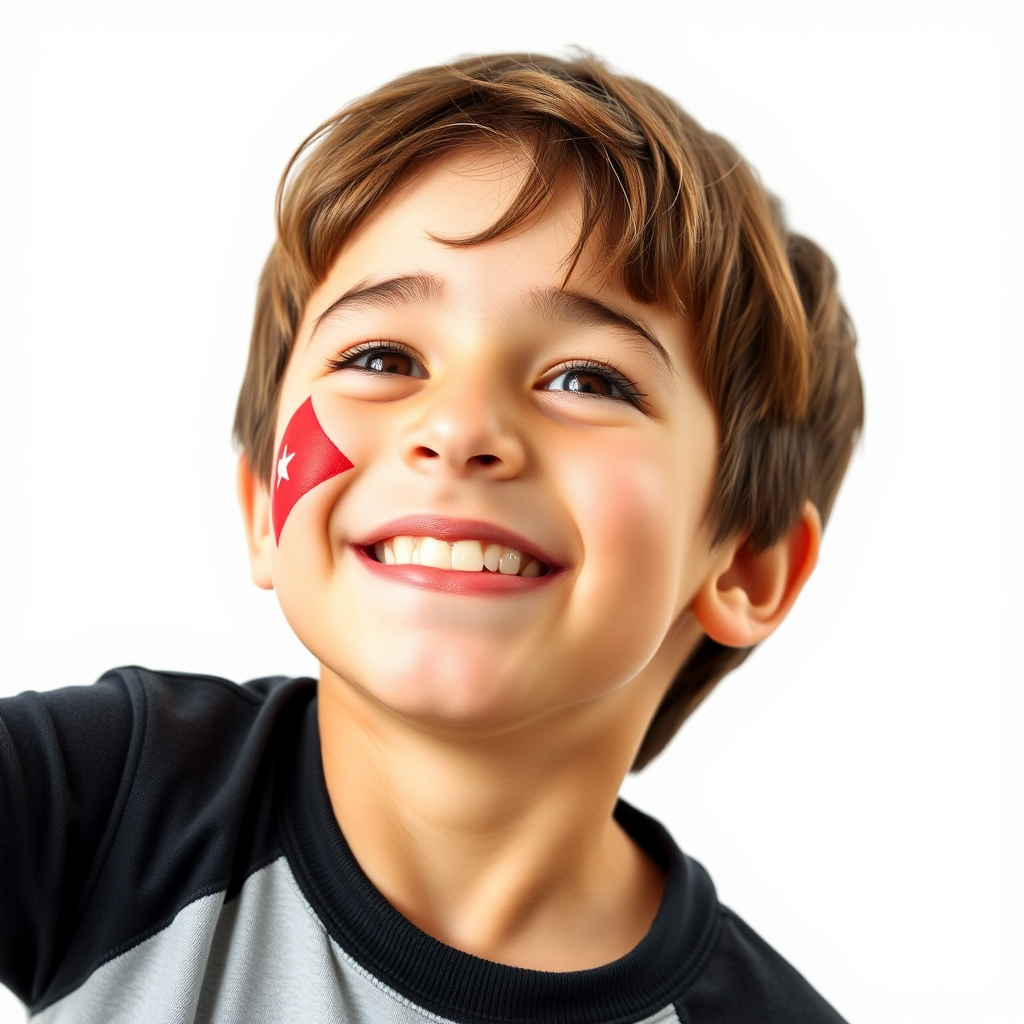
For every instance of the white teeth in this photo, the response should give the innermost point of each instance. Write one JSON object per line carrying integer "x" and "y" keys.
{"x": 467, "y": 556}
{"x": 460, "y": 555}
{"x": 511, "y": 561}
{"x": 492, "y": 555}
{"x": 437, "y": 553}
{"x": 403, "y": 548}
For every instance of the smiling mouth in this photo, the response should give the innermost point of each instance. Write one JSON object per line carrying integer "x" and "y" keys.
{"x": 470, "y": 556}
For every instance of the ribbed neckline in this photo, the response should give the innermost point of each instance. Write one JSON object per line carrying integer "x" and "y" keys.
{"x": 460, "y": 986}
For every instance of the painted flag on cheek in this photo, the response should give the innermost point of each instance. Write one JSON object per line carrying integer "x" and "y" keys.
{"x": 307, "y": 457}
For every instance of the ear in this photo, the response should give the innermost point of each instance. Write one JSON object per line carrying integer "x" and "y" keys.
{"x": 255, "y": 504}
{"x": 747, "y": 595}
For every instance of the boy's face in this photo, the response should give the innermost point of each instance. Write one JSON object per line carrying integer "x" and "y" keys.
{"x": 487, "y": 414}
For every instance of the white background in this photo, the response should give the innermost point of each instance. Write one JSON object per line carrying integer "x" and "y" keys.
{"x": 855, "y": 790}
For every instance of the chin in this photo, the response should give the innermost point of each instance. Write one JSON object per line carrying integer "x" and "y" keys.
{"x": 446, "y": 694}
{"x": 452, "y": 712}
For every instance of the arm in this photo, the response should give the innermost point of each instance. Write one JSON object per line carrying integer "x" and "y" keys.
{"x": 64, "y": 773}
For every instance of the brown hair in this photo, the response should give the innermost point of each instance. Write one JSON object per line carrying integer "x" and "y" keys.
{"x": 693, "y": 230}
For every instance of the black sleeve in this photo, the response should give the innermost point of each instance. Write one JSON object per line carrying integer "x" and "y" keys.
{"x": 746, "y": 982}
{"x": 64, "y": 756}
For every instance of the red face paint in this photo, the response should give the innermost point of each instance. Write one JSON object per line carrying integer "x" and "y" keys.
{"x": 307, "y": 457}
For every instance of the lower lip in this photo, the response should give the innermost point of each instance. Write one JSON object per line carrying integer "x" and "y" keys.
{"x": 452, "y": 581}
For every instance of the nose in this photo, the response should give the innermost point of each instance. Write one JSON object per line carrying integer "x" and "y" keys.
{"x": 467, "y": 428}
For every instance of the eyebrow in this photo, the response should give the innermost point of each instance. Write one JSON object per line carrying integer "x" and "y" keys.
{"x": 389, "y": 294}
{"x": 551, "y": 303}
{"x": 586, "y": 311}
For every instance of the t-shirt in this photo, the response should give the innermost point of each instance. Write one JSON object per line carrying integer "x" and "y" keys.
{"x": 168, "y": 853}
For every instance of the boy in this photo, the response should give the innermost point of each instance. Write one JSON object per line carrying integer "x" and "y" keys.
{"x": 543, "y": 413}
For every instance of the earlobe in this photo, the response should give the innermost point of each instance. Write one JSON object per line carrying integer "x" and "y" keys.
{"x": 254, "y": 502}
{"x": 747, "y": 594}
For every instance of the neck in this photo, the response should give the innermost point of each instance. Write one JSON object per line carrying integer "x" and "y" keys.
{"x": 503, "y": 845}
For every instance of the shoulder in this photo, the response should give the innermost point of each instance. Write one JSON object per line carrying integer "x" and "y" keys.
{"x": 181, "y": 694}
{"x": 133, "y": 696}
{"x": 745, "y": 981}
{"x": 717, "y": 968}
{"x": 205, "y": 742}
{"x": 160, "y": 726}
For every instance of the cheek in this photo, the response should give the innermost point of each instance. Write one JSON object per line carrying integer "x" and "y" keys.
{"x": 625, "y": 501}
{"x": 319, "y": 455}
{"x": 321, "y": 441}
{"x": 306, "y": 458}
{"x": 637, "y": 505}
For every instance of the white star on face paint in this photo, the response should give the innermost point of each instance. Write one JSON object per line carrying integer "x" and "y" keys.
{"x": 282, "y": 465}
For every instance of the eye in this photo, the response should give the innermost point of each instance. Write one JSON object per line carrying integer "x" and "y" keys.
{"x": 373, "y": 357}
{"x": 586, "y": 378}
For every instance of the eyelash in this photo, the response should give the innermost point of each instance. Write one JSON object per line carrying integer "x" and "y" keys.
{"x": 350, "y": 355}
{"x": 611, "y": 373}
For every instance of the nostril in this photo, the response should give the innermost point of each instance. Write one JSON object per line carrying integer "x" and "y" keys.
{"x": 426, "y": 452}
{"x": 487, "y": 459}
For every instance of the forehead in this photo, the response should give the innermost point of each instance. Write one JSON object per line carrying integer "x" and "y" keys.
{"x": 462, "y": 195}
{"x": 456, "y": 197}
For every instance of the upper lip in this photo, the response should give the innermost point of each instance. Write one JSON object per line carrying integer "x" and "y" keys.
{"x": 447, "y": 528}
